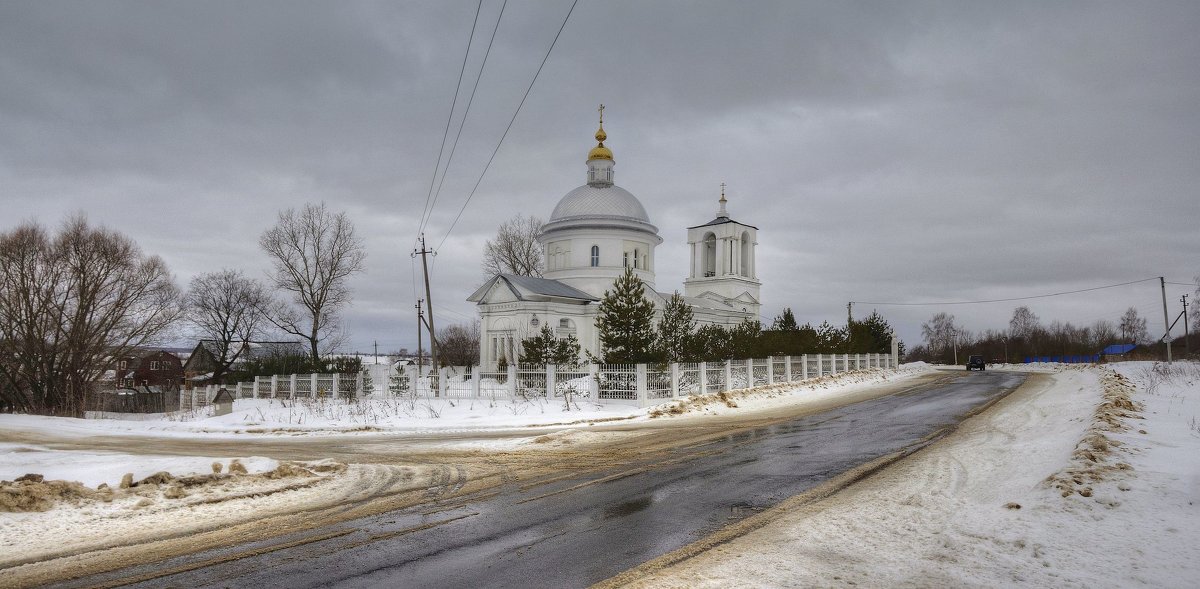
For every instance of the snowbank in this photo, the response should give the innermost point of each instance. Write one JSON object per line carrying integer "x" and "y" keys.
{"x": 1063, "y": 483}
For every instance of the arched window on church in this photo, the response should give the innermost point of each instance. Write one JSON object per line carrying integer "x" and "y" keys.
{"x": 637, "y": 259}
{"x": 710, "y": 255}
{"x": 745, "y": 267}
{"x": 625, "y": 259}
{"x": 595, "y": 256}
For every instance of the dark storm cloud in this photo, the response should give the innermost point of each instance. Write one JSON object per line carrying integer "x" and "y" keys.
{"x": 887, "y": 151}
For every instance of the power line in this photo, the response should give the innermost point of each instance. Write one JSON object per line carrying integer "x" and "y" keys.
{"x": 462, "y": 122}
{"x": 510, "y": 124}
{"x": 1055, "y": 294}
{"x": 449, "y": 118}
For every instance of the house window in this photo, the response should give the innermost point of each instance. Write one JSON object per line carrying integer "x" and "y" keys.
{"x": 595, "y": 256}
{"x": 154, "y": 365}
{"x": 124, "y": 364}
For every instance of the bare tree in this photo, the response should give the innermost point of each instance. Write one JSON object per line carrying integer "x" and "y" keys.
{"x": 226, "y": 308}
{"x": 458, "y": 345}
{"x": 314, "y": 252}
{"x": 1024, "y": 323}
{"x": 940, "y": 333}
{"x": 1103, "y": 333}
{"x": 1133, "y": 327}
{"x": 71, "y": 304}
{"x": 515, "y": 249}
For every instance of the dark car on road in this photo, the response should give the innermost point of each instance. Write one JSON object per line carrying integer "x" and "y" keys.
{"x": 975, "y": 363}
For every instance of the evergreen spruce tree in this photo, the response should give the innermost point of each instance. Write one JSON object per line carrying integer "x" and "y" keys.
{"x": 785, "y": 321}
{"x": 545, "y": 348}
{"x": 626, "y": 322}
{"x": 676, "y": 330}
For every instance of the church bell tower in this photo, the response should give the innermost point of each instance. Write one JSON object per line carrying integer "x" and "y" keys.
{"x": 723, "y": 264}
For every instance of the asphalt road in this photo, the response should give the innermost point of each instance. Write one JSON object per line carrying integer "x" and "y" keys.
{"x": 574, "y": 532}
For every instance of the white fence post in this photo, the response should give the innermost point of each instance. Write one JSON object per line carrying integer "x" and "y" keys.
{"x": 845, "y": 362}
{"x": 475, "y": 382}
{"x": 441, "y": 382}
{"x": 804, "y": 367}
{"x": 512, "y": 381}
{"x": 770, "y": 370}
{"x": 337, "y": 384}
{"x": 312, "y": 387}
{"x": 703, "y": 377}
{"x": 641, "y": 385}
{"x": 729, "y": 375}
{"x": 551, "y": 376}
{"x": 594, "y": 386}
{"x": 820, "y": 366}
{"x": 787, "y": 368}
{"x": 292, "y": 390}
{"x": 674, "y": 379}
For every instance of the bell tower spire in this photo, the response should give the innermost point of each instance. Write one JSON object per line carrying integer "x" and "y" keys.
{"x": 721, "y": 211}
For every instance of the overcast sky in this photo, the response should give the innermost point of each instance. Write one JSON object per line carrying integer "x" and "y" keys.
{"x": 887, "y": 151}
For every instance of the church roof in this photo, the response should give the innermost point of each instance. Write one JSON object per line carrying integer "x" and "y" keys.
{"x": 722, "y": 221}
{"x": 599, "y": 201}
{"x": 531, "y": 288}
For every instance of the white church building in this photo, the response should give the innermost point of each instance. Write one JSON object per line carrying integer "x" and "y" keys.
{"x": 594, "y": 233}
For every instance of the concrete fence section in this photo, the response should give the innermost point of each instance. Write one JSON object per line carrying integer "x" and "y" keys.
{"x": 635, "y": 384}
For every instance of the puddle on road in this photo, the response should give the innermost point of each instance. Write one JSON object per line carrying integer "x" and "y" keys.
{"x": 628, "y": 507}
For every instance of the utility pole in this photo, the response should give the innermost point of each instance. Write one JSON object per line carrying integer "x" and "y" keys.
{"x": 1166, "y": 319}
{"x": 420, "y": 324}
{"x": 428, "y": 301}
{"x": 849, "y": 326}
{"x": 1187, "y": 346}
{"x": 377, "y": 351}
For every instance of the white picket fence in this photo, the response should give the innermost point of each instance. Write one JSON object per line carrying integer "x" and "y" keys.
{"x": 640, "y": 384}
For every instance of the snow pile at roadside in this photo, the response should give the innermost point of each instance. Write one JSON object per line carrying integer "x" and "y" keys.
{"x": 985, "y": 507}
{"x": 41, "y": 518}
{"x": 842, "y": 384}
{"x": 92, "y": 469}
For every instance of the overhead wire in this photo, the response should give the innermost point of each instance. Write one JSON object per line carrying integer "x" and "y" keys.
{"x": 1006, "y": 299}
{"x": 466, "y": 112}
{"x": 449, "y": 118}
{"x": 510, "y": 124}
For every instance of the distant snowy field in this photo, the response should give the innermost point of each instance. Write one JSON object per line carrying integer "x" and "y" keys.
{"x": 1086, "y": 479}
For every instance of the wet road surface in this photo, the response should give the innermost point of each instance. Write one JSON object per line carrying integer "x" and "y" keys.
{"x": 573, "y": 532}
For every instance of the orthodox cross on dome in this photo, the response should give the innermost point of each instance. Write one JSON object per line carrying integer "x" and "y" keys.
{"x": 721, "y": 212}
{"x": 600, "y": 152}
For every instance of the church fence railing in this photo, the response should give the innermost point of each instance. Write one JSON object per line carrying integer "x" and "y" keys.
{"x": 640, "y": 384}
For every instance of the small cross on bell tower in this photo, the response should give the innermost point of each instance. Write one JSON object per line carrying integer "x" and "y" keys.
{"x": 721, "y": 212}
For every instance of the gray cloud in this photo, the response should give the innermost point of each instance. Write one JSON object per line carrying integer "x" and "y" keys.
{"x": 887, "y": 151}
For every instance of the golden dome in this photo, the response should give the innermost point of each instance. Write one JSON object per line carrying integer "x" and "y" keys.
{"x": 600, "y": 152}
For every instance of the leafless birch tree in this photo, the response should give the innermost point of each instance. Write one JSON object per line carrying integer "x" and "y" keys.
{"x": 314, "y": 252}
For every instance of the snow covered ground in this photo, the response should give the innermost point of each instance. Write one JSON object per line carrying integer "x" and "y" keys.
{"x": 1090, "y": 477}
{"x": 83, "y": 500}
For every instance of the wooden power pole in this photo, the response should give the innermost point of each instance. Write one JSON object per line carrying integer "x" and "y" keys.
{"x": 433, "y": 362}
